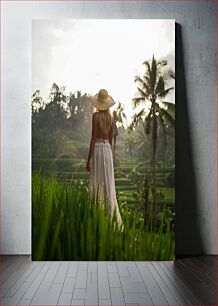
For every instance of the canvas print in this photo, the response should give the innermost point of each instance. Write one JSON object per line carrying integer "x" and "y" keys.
{"x": 103, "y": 139}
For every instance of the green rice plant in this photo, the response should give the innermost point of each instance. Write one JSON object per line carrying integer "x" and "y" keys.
{"x": 67, "y": 224}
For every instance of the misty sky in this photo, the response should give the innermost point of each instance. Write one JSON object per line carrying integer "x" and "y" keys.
{"x": 90, "y": 54}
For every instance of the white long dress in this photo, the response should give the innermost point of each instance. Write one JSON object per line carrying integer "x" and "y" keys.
{"x": 101, "y": 177}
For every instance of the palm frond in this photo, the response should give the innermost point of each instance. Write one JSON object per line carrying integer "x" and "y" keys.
{"x": 170, "y": 106}
{"x": 166, "y": 114}
{"x": 147, "y": 64}
{"x": 137, "y": 101}
{"x": 146, "y": 78}
{"x": 147, "y": 84}
{"x": 137, "y": 118}
{"x": 143, "y": 82}
{"x": 142, "y": 92}
{"x": 168, "y": 117}
{"x": 139, "y": 80}
{"x": 124, "y": 115}
{"x": 164, "y": 93}
{"x": 160, "y": 86}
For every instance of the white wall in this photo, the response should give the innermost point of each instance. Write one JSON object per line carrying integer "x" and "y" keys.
{"x": 196, "y": 201}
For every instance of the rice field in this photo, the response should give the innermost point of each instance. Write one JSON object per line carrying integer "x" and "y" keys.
{"x": 68, "y": 168}
{"x": 68, "y": 225}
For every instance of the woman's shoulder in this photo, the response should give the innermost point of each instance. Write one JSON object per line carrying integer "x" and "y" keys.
{"x": 94, "y": 115}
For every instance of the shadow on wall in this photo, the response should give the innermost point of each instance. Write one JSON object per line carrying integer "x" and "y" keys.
{"x": 187, "y": 229}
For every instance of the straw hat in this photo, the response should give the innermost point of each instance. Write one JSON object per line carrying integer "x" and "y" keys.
{"x": 102, "y": 100}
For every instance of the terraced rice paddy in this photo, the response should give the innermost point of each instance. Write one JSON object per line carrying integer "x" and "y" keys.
{"x": 75, "y": 168}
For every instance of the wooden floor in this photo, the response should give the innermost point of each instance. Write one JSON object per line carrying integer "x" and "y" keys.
{"x": 187, "y": 281}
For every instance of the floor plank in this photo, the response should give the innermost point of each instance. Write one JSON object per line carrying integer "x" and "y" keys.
{"x": 185, "y": 281}
{"x": 168, "y": 292}
{"x": 30, "y": 275}
{"x": 153, "y": 288}
{"x": 170, "y": 281}
{"x": 209, "y": 271}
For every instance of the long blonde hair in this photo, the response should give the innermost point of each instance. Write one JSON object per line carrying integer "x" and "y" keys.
{"x": 105, "y": 120}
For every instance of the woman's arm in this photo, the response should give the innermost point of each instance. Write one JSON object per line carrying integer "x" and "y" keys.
{"x": 111, "y": 133}
{"x": 93, "y": 138}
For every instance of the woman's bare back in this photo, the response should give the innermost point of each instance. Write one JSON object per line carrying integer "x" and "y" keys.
{"x": 98, "y": 133}
{"x": 101, "y": 133}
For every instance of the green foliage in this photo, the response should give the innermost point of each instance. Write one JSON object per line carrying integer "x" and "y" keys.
{"x": 68, "y": 225}
{"x": 80, "y": 110}
{"x": 61, "y": 119}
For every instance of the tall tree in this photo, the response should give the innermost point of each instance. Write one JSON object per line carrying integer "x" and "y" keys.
{"x": 80, "y": 109}
{"x": 152, "y": 90}
{"x": 56, "y": 108}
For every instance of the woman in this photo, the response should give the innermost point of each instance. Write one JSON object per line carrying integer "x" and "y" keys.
{"x": 100, "y": 159}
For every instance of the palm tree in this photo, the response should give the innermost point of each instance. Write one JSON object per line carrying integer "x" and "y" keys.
{"x": 152, "y": 89}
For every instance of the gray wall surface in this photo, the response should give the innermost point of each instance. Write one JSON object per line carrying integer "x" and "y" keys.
{"x": 196, "y": 142}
